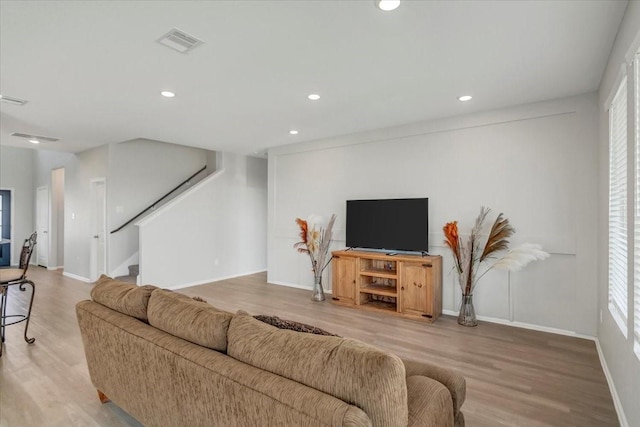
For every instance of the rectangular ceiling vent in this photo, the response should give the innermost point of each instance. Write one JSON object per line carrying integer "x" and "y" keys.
{"x": 34, "y": 137}
{"x": 180, "y": 41}
{"x": 13, "y": 101}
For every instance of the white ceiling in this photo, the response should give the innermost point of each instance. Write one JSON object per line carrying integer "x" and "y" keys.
{"x": 92, "y": 71}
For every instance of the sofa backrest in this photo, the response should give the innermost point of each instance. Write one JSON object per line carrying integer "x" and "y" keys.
{"x": 123, "y": 297}
{"x": 348, "y": 369}
{"x": 191, "y": 320}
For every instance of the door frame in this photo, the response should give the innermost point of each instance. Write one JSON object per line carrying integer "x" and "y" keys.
{"x": 93, "y": 268}
{"x": 12, "y": 245}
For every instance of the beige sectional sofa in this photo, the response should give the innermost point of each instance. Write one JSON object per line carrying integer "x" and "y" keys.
{"x": 169, "y": 360}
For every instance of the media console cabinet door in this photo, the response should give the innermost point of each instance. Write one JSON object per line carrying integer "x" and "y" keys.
{"x": 416, "y": 288}
{"x": 344, "y": 279}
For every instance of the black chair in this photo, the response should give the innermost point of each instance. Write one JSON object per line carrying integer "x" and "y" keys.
{"x": 12, "y": 277}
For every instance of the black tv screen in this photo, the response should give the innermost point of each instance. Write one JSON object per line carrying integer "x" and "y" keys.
{"x": 391, "y": 224}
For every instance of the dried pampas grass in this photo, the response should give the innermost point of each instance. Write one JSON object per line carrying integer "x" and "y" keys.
{"x": 470, "y": 256}
{"x": 518, "y": 257}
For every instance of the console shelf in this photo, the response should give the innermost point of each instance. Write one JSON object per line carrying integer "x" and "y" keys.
{"x": 404, "y": 285}
{"x": 380, "y": 306}
{"x": 383, "y": 290}
{"x": 384, "y": 274}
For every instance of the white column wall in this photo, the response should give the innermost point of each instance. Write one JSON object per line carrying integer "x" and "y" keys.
{"x": 536, "y": 163}
{"x": 45, "y": 162}
{"x": 88, "y": 165}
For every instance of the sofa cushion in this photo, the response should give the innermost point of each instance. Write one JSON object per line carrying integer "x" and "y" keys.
{"x": 191, "y": 320}
{"x": 291, "y": 325}
{"x": 350, "y": 370}
{"x": 122, "y": 297}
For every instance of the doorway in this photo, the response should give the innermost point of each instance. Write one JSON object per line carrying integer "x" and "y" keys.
{"x": 98, "y": 228}
{"x": 42, "y": 226}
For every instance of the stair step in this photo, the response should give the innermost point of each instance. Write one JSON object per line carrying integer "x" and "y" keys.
{"x": 129, "y": 279}
{"x": 134, "y": 270}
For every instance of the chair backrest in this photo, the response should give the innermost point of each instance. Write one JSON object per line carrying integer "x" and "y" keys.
{"x": 27, "y": 250}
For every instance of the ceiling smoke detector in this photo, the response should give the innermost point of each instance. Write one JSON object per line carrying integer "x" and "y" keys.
{"x": 180, "y": 41}
{"x": 13, "y": 101}
{"x": 34, "y": 137}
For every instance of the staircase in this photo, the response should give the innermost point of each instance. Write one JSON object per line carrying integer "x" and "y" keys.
{"x": 127, "y": 252}
{"x": 134, "y": 270}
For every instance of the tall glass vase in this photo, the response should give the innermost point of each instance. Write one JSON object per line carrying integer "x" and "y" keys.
{"x": 467, "y": 316}
{"x": 318, "y": 292}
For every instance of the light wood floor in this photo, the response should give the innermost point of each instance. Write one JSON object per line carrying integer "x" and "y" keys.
{"x": 515, "y": 377}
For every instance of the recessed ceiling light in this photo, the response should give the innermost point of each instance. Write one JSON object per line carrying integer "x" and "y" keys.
{"x": 314, "y": 96}
{"x": 387, "y": 5}
{"x": 465, "y": 98}
{"x": 167, "y": 94}
{"x": 34, "y": 141}
{"x": 293, "y": 132}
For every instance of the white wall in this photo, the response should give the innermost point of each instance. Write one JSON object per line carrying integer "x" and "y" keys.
{"x": 45, "y": 161}
{"x": 536, "y": 163}
{"x": 140, "y": 172}
{"x": 622, "y": 363}
{"x": 214, "y": 231}
{"x": 87, "y": 165}
{"x": 16, "y": 173}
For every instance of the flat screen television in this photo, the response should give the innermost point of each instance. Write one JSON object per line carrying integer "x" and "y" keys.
{"x": 390, "y": 224}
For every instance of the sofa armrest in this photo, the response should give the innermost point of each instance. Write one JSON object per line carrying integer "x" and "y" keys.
{"x": 453, "y": 381}
{"x": 430, "y": 403}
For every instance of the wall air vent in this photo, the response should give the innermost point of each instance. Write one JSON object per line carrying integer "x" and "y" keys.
{"x": 34, "y": 137}
{"x": 11, "y": 100}
{"x": 180, "y": 41}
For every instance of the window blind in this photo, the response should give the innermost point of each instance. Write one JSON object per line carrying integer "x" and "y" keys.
{"x": 618, "y": 263}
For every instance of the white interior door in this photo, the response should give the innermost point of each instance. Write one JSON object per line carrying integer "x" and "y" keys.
{"x": 98, "y": 229}
{"x": 42, "y": 226}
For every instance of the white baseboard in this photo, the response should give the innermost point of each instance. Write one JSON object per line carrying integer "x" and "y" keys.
{"x": 294, "y": 285}
{"x": 55, "y": 268}
{"x": 526, "y": 326}
{"x": 622, "y": 419}
{"x": 215, "y": 279}
{"x": 76, "y": 277}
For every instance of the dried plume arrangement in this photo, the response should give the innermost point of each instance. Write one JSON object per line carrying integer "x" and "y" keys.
{"x": 315, "y": 241}
{"x": 492, "y": 251}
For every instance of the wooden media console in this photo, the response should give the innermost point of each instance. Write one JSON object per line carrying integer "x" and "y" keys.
{"x": 404, "y": 285}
